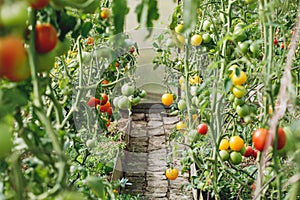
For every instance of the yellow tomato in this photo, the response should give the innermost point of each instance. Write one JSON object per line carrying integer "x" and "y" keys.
{"x": 224, "y": 144}
{"x": 196, "y": 40}
{"x": 239, "y": 80}
{"x": 181, "y": 126}
{"x": 195, "y": 80}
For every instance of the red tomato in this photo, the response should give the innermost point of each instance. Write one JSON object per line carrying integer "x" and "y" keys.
{"x": 45, "y": 38}
{"x": 281, "y": 139}
{"x": 104, "y": 82}
{"x": 108, "y": 123}
{"x": 259, "y": 138}
{"x": 275, "y": 42}
{"x": 103, "y": 98}
{"x": 105, "y": 107}
{"x": 109, "y": 111}
{"x": 93, "y": 102}
{"x": 255, "y": 152}
{"x": 13, "y": 59}
{"x": 39, "y": 4}
{"x": 202, "y": 129}
{"x": 248, "y": 152}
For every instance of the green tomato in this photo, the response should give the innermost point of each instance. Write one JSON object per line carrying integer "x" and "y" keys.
{"x": 239, "y": 34}
{"x": 14, "y": 14}
{"x": 143, "y": 94}
{"x": 181, "y": 105}
{"x": 206, "y": 25}
{"x": 6, "y": 143}
{"x": 45, "y": 61}
{"x": 206, "y": 38}
{"x": 243, "y": 47}
{"x": 136, "y": 100}
{"x": 239, "y": 101}
{"x": 235, "y": 157}
{"x": 127, "y": 89}
{"x": 62, "y": 47}
{"x": 242, "y": 111}
{"x": 124, "y": 103}
{"x": 224, "y": 155}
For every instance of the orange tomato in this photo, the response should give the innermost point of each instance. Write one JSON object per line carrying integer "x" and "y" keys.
{"x": 172, "y": 173}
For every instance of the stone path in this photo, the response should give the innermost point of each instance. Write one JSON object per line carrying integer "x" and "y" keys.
{"x": 145, "y": 159}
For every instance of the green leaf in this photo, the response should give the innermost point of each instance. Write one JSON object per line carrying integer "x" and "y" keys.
{"x": 175, "y": 16}
{"x": 227, "y": 84}
{"x": 85, "y": 29}
{"x": 147, "y": 12}
{"x": 190, "y": 14}
{"x": 120, "y": 10}
{"x": 97, "y": 186}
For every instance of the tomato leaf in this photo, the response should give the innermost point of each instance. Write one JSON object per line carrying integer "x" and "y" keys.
{"x": 227, "y": 84}
{"x": 120, "y": 10}
{"x": 147, "y": 12}
{"x": 176, "y": 15}
{"x": 65, "y": 23}
{"x": 190, "y": 14}
{"x": 85, "y": 29}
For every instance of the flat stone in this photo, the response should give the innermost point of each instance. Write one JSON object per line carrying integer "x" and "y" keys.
{"x": 170, "y": 120}
{"x": 154, "y": 124}
{"x": 138, "y": 116}
{"x": 180, "y": 197}
{"x": 138, "y": 132}
{"x": 157, "y": 142}
{"x": 138, "y": 124}
{"x": 158, "y": 161}
{"x": 157, "y": 187}
{"x": 151, "y": 195}
{"x": 154, "y": 117}
{"x": 157, "y": 154}
{"x": 156, "y": 132}
{"x": 168, "y": 128}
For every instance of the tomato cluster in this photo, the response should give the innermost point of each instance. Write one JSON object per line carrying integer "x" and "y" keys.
{"x": 232, "y": 150}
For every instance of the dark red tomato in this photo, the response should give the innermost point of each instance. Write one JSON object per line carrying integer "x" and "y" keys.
{"x": 13, "y": 59}
{"x": 248, "y": 152}
{"x": 109, "y": 111}
{"x": 281, "y": 139}
{"x": 93, "y": 102}
{"x": 103, "y": 98}
{"x": 259, "y": 138}
{"x": 282, "y": 46}
{"x": 39, "y": 4}
{"x": 131, "y": 50}
{"x": 255, "y": 152}
{"x": 202, "y": 129}
{"x": 45, "y": 38}
{"x": 275, "y": 42}
{"x": 104, "y": 82}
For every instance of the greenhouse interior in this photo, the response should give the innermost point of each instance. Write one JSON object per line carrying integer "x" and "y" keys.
{"x": 149, "y": 99}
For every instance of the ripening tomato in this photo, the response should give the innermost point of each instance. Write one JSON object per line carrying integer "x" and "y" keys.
{"x": 109, "y": 111}
{"x": 172, "y": 173}
{"x": 90, "y": 40}
{"x": 238, "y": 91}
{"x": 167, "y": 99}
{"x": 179, "y": 28}
{"x": 93, "y": 102}
{"x": 13, "y": 59}
{"x": 239, "y": 80}
{"x": 259, "y": 138}
{"x": 181, "y": 126}
{"x": 105, "y": 13}
{"x": 224, "y": 144}
{"x": 39, "y": 4}
{"x": 196, "y": 40}
{"x": 103, "y": 98}
{"x": 45, "y": 38}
